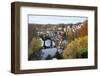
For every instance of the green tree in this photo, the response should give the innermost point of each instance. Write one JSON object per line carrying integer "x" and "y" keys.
{"x": 82, "y": 53}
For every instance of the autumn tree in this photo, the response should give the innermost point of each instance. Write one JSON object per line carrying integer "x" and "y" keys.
{"x": 35, "y": 45}
{"x": 77, "y": 46}
{"x": 83, "y": 31}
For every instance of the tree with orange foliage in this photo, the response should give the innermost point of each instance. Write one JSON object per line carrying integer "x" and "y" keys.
{"x": 83, "y": 31}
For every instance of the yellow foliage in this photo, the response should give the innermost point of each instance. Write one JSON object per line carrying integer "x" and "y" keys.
{"x": 82, "y": 42}
{"x": 74, "y": 46}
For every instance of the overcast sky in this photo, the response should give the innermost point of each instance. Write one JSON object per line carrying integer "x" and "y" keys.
{"x": 55, "y": 19}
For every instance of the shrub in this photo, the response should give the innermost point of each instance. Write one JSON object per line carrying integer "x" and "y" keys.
{"x": 82, "y": 53}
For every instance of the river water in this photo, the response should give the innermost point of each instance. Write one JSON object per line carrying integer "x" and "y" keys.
{"x": 49, "y": 51}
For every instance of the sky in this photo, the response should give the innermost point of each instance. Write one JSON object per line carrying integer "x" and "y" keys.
{"x": 41, "y": 19}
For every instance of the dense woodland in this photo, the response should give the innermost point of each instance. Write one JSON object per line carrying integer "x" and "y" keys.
{"x": 70, "y": 39}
